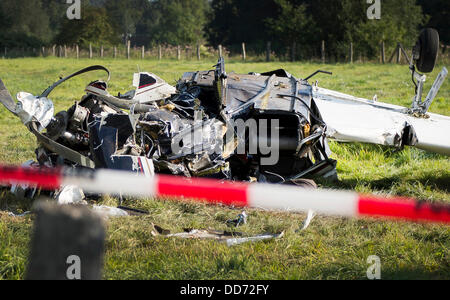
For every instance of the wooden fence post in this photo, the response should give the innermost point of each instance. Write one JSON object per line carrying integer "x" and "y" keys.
{"x": 178, "y": 52}
{"x": 65, "y": 51}
{"x": 115, "y": 52}
{"x": 198, "y": 51}
{"x": 351, "y": 53}
{"x": 244, "y": 53}
{"x": 323, "y": 51}
{"x": 220, "y": 51}
{"x": 128, "y": 49}
{"x": 383, "y": 53}
{"x": 101, "y": 51}
{"x": 404, "y": 53}
{"x": 54, "y": 50}
{"x": 294, "y": 51}
{"x": 43, "y": 51}
{"x": 78, "y": 51}
{"x": 159, "y": 52}
{"x": 143, "y": 52}
{"x": 399, "y": 53}
{"x": 268, "y": 51}
{"x": 90, "y": 51}
{"x": 393, "y": 54}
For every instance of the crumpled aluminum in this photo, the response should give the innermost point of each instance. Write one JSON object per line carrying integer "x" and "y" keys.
{"x": 31, "y": 108}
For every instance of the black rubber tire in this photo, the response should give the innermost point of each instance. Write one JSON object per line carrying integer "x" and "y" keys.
{"x": 429, "y": 47}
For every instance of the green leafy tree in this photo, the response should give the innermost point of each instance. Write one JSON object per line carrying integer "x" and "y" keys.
{"x": 125, "y": 16}
{"x": 176, "y": 21}
{"x": 438, "y": 17}
{"x": 292, "y": 26}
{"x": 25, "y": 23}
{"x": 94, "y": 27}
{"x": 400, "y": 22}
{"x": 234, "y": 21}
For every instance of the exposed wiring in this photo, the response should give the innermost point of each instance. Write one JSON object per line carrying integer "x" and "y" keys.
{"x": 275, "y": 174}
{"x": 313, "y": 115}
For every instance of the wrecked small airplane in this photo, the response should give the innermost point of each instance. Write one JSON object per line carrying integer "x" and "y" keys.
{"x": 269, "y": 127}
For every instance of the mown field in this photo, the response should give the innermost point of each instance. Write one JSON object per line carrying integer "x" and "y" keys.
{"x": 331, "y": 248}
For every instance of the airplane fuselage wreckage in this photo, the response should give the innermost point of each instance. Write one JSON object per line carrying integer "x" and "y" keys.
{"x": 269, "y": 127}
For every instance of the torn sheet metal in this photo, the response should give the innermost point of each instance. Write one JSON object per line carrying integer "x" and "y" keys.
{"x": 351, "y": 119}
{"x": 150, "y": 88}
{"x": 229, "y": 238}
{"x": 30, "y": 108}
{"x": 23, "y": 191}
{"x": 253, "y": 239}
{"x": 108, "y": 212}
{"x": 241, "y": 220}
{"x": 11, "y": 214}
{"x": 70, "y": 195}
{"x": 311, "y": 215}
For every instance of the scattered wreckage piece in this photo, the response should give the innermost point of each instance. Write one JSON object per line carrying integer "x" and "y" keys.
{"x": 229, "y": 238}
{"x": 240, "y": 220}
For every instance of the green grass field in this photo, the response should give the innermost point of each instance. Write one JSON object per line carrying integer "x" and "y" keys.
{"x": 331, "y": 248}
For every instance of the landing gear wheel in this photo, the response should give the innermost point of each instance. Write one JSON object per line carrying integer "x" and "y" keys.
{"x": 428, "y": 45}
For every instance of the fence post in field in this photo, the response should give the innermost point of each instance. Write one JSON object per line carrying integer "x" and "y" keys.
{"x": 294, "y": 51}
{"x": 322, "y": 50}
{"x": 101, "y": 51}
{"x": 67, "y": 244}
{"x": 268, "y": 51}
{"x": 54, "y": 50}
{"x": 65, "y": 51}
{"x": 399, "y": 53}
{"x": 143, "y": 52}
{"x": 178, "y": 52}
{"x": 220, "y": 51}
{"x": 351, "y": 53}
{"x": 90, "y": 51}
{"x": 199, "y": 57}
{"x": 115, "y": 52}
{"x": 244, "y": 53}
{"x": 404, "y": 53}
{"x": 128, "y": 49}
{"x": 159, "y": 52}
{"x": 393, "y": 54}
{"x": 383, "y": 53}
{"x": 43, "y": 51}
{"x": 77, "y": 49}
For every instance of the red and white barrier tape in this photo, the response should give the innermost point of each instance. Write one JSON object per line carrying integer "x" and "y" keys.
{"x": 270, "y": 197}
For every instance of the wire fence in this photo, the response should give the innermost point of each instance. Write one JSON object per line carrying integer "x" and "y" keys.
{"x": 387, "y": 54}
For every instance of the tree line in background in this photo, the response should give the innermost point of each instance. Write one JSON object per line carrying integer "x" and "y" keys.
{"x": 294, "y": 27}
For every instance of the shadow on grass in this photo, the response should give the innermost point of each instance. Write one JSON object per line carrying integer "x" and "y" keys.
{"x": 387, "y": 273}
{"x": 441, "y": 183}
{"x": 415, "y": 273}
